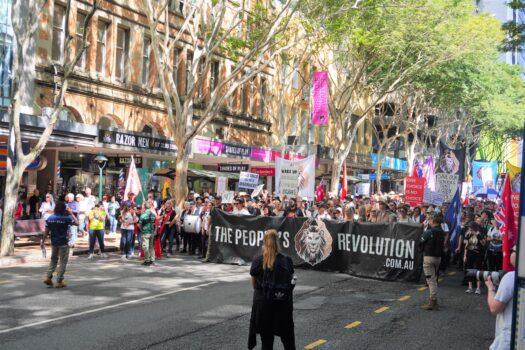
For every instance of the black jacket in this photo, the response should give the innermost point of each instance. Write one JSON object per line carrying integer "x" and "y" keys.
{"x": 432, "y": 242}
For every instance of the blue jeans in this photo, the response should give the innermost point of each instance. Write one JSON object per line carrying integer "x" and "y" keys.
{"x": 96, "y": 235}
{"x": 125, "y": 241}
{"x": 112, "y": 224}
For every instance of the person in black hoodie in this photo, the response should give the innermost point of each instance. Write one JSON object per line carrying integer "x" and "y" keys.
{"x": 432, "y": 244}
{"x": 273, "y": 282}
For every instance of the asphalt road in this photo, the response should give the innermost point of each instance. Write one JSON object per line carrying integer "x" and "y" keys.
{"x": 185, "y": 304}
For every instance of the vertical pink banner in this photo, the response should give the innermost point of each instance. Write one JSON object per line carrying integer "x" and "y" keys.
{"x": 320, "y": 93}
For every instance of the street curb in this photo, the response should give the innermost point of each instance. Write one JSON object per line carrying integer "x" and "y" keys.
{"x": 86, "y": 251}
{"x": 8, "y": 261}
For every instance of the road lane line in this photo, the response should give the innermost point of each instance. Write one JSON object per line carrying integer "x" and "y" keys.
{"x": 315, "y": 344}
{"x": 422, "y": 289}
{"x": 381, "y": 309}
{"x": 404, "y": 298}
{"x": 353, "y": 324}
{"x": 108, "y": 307}
{"x": 4, "y": 282}
{"x": 451, "y": 273}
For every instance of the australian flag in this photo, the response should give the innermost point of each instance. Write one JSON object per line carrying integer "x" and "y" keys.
{"x": 453, "y": 220}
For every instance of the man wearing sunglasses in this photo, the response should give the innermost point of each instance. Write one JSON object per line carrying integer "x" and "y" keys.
{"x": 238, "y": 207}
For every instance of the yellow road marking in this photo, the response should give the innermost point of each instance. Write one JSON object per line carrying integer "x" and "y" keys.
{"x": 404, "y": 298}
{"x": 422, "y": 289}
{"x": 381, "y": 309}
{"x": 315, "y": 344}
{"x": 451, "y": 273}
{"x": 440, "y": 279}
{"x": 4, "y": 282}
{"x": 353, "y": 324}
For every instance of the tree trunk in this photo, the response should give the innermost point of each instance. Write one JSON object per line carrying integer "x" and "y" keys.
{"x": 411, "y": 157}
{"x": 379, "y": 173}
{"x": 8, "y": 221}
{"x": 336, "y": 171}
{"x": 180, "y": 183}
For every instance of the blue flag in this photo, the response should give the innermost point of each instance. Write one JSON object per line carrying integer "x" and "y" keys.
{"x": 453, "y": 219}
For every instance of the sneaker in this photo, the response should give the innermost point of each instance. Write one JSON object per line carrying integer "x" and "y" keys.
{"x": 168, "y": 255}
{"x": 469, "y": 291}
{"x": 145, "y": 263}
{"x": 61, "y": 284}
{"x": 123, "y": 258}
{"x": 129, "y": 257}
{"x": 103, "y": 255}
{"x": 90, "y": 257}
{"x": 48, "y": 282}
{"x": 478, "y": 291}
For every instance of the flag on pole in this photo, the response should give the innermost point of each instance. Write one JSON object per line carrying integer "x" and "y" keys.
{"x": 453, "y": 220}
{"x": 505, "y": 216}
{"x": 429, "y": 173}
{"x": 166, "y": 189}
{"x": 320, "y": 93}
{"x": 320, "y": 191}
{"x": 133, "y": 182}
{"x": 417, "y": 171}
{"x": 344, "y": 183}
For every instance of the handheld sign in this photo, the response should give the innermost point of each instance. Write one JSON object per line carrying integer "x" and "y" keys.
{"x": 227, "y": 197}
{"x": 257, "y": 191}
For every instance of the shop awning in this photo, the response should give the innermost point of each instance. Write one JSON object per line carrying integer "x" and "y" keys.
{"x": 169, "y": 172}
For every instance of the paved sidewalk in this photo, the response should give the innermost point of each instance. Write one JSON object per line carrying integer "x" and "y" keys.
{"x": 27, "y": 249}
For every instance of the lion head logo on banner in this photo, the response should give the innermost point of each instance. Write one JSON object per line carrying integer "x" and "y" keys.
{"x": 449, "y": 163}
{"x": 313, "y": 242}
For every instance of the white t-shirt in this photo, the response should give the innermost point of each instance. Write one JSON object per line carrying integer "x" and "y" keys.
{"x": 243, "y": 211}
{"x": 44, "y": 208}
{"x": 504, "y": 320}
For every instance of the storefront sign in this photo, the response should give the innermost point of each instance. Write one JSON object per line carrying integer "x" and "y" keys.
{"x": 248, "y": 180}
{"x": 261, "y": 154}
{"x": 210, "y": 147}
{"x": 232, "y": 168}
{"x": 263, "y": 171}
{"x": 123, "y": 162}
{"x": 414, "y": 190}
{"x": 135, "y": 141}
{"x": 236, "y": 150}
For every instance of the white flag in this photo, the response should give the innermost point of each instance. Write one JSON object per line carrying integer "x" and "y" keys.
{"x": 133, "y": 182}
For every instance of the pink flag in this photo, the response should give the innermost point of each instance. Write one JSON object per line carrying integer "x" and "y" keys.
{"x": 133, "y": 182}
{"x": 320, "y": 93}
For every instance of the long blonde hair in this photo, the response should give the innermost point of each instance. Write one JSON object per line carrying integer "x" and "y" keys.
{"x": 270, "y": 248}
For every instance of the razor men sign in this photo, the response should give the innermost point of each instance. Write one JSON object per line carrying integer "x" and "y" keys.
{"x": 381, "y": 251}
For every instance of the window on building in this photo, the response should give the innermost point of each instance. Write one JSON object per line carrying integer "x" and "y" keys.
{"x": 106, "y": 123}
{"x": 81, "y": 18}
{"x": 201, "y": 79}
{"x": 189, "y": 63}
{"x": 214, "y": 76}
{"x": 251, "y": 96}
{"x": 263, "y": 91}
{"x": 102, "y": 37}
{"x": 244, "y": 97}
{"x": 146, "y": 51}
{"x": 59, "y": 26}
{"x": 122, "y": 53}
{"x": 6, "y": 47}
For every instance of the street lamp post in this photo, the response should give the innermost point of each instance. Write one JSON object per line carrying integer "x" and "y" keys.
{"x": 101, "y": 161}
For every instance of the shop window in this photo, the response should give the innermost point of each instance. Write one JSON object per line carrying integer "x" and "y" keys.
{"x": 59, "y": 25}
{"x": 81, "y": 19}
{"x": 151, "y": 130}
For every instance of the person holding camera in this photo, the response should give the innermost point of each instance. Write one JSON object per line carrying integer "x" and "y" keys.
{"x": 500, "y": 305}
{"x": 432, "y": 244}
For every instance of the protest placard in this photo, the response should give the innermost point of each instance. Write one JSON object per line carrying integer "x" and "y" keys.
{"x": 248, "y": 180}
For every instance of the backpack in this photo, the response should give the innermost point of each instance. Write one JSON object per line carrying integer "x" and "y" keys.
{"x": 277, "y": 283}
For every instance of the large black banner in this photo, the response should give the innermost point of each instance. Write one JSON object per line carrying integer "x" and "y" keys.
{"x": 383, "y": 251}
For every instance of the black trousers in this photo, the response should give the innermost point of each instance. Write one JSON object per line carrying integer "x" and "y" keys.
{"x": 194, "y": 242}
{"x": 185, "y": 240}
{"x": 267, "y": 342}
